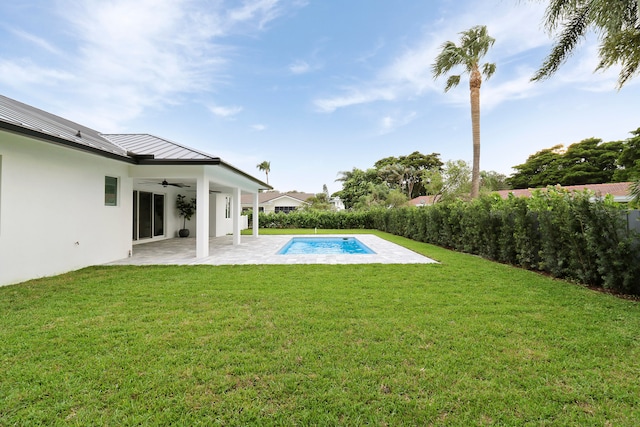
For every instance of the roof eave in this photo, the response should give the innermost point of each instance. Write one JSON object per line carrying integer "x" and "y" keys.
{"x": 63, "y": 142}
{"x": 214, "y": 161}
{"x": 246, "y": 175}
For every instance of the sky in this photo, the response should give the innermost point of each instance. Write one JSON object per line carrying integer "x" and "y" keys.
{"x": 315, "y": 87}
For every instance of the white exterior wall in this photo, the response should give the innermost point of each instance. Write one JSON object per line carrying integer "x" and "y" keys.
{"x": 218, "y": 224}
{"x": 52, "y": 213}
{"x": 223, "y": 226}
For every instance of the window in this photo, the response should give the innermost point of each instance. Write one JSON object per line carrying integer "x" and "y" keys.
{"x": 227, "y": 207}
{"x": 110, "y": 191}
{"x": 284, "y": 209}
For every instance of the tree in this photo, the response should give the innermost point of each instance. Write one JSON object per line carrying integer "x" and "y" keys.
{"x": 540, "y": 169}
{"x": 396, "y": 198}
{"x": 266, "y": 168}
{"x": 451, "y": 183}
{"x": 319, "y": 202}
{"x": 629, "y": 159}
{"x": 376, "y": 196}
{"x": 356, "y": 184}
{"x": 589, "y": 161}
{"x": 616, "y": 22}
{"x": 492, "y": 181}
{"x": 405, "y": 172}
{"x": 474, "y": 45}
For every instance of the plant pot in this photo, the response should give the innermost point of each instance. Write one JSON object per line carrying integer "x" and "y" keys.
{"x": 184, "y": 232}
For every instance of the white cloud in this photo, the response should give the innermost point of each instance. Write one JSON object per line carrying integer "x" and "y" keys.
{"x": 390, "y": 123}
{"x": 128, "y": 56}
{"x": 258, "y": 127}
{"x": 224, "y": 111}
{"x": 24, "y": 73}
{"x": 329, "y": 105}
{"x": 299, "y": 67}
{"x": 261, "y": 10}
{"x": 38, "y": 41}
{"x": 408, "y": 74}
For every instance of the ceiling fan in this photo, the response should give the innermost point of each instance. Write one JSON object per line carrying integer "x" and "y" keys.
{"x": 164, "y": 183}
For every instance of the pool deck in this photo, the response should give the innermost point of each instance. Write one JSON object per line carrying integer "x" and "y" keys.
{"x": 263, "y": 250}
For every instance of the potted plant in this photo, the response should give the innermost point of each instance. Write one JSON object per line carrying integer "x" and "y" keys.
{"x": 186, "y": 209}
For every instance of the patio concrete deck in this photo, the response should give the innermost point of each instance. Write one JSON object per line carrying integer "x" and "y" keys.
{"x": 263, "y": 250}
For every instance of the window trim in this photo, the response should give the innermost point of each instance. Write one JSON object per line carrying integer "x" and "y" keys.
{"x": 107, "y": 187}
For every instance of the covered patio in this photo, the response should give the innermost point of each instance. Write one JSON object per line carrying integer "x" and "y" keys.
{"x": 262, "y": 250}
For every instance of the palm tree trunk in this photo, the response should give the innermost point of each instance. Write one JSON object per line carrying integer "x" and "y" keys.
{"x": 475, "y": 82}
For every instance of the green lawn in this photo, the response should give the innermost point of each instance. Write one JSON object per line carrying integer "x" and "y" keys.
{"x": 465, "y": 342}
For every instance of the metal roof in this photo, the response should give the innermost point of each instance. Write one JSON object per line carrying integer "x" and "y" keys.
{"x": 30, "y": 118}
{"x": 26, "y": 120}
{"x": 160, "y": 148}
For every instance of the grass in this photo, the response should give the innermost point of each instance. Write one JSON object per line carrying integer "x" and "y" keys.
{"x": 465, "y": 342}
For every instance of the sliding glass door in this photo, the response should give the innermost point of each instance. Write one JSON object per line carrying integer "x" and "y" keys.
{"x": 148, "y": 215}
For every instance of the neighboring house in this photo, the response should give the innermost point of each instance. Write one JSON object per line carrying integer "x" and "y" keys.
{"x": 336, "y": 203}
{"x": 619, "y": 191}
{"x": 274, "y": 201}
{"x": 71, "y": 197}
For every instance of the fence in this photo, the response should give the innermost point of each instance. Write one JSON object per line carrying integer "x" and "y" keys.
{"x": 633, "y": 220}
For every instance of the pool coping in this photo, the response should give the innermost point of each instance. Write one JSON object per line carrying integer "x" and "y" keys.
{"x": 263, "y": 250}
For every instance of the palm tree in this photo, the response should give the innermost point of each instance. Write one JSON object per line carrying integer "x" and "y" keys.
{"x": 266, "y": 167}
{"x": 474, "y": 45}
{"x": 617, "y": 23}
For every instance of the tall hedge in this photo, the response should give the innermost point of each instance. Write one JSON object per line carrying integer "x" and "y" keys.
{"x": 317, "y": 219}
{"x": 574, "y": 236}
{"x": 567, "y": 235}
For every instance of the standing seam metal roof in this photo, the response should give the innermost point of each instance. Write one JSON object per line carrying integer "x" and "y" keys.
{"x": 161, "y": 148}
{"x": 28, "y": 117}
{"x": 26, "y": 120}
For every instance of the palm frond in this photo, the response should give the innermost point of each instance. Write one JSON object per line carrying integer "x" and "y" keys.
{"x": 474, "y": 44}
{"x": 450, "y": 57}
{"x": 452, "y": 82}
{"x": 557, "y": 11}
{"x": 621, "y": 48}
{"x": 488, "y": 70}
{"x": 573, "y": 31}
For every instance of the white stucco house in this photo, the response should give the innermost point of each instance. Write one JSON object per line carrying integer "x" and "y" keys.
{"x": 275, "y": 201}
{"x": 71, "y": 197}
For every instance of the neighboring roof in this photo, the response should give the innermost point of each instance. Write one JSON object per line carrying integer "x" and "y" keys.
{"x": 22, "y": 118}
{"x": 160, "y": 148}
{"x": 422, "y": 200}
{"x": 619, "y": 190}
{"x": 268, "y": 196}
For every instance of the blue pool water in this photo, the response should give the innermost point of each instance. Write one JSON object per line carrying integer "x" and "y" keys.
{"x": 325, "y": 246}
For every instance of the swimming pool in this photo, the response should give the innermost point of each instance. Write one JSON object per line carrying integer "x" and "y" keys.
{"x": 324, "y": 246}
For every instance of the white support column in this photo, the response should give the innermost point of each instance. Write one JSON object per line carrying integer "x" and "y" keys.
{"x": 202, "y": 217}
{"x": 255, "y": 214}
{"x": 236, "y": 211}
